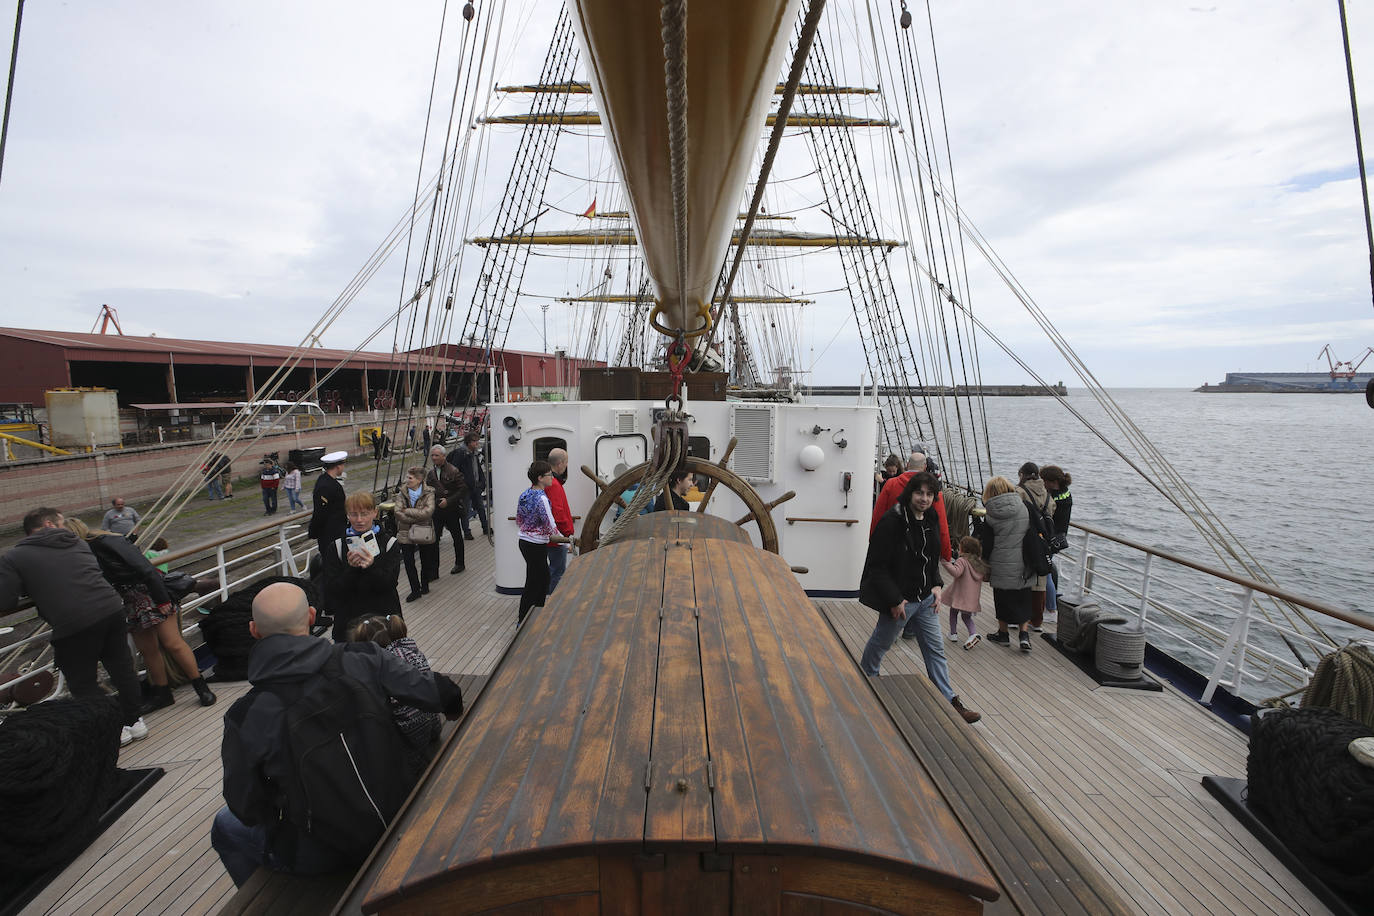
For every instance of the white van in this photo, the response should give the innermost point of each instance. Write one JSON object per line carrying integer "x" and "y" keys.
{"x": 282, "y": 415}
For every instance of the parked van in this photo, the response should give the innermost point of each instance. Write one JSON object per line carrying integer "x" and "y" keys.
{"x": 282, "y": 415}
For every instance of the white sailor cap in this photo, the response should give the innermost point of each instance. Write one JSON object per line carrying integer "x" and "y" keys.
{"x": 334, "y": 458}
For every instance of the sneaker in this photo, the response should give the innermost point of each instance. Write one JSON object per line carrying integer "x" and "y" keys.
{"x": 130, "y": 733}
{"x": 972, "y": 641}
{"x": 906, "y": 635}
{"x": 1025, "y": 642}
{"x": 954, "y": 637}
{"x": 1002, "y": 639}
{"x": 467, "y": 535}
{"x": 1036, "y": 629}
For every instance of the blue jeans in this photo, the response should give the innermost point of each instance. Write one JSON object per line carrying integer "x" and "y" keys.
{"x": 242, "y": 849}
{"x": 215, "y": 487}
{"x": 294, "y": 498}
{"x": 558, "y": 564}
{"x": 923, "y": 622}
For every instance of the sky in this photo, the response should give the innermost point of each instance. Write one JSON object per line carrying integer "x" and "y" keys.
{"x": 1175, "y": 184}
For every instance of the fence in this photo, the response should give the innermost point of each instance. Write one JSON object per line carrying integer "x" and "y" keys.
{"x": 1208, "y": 618}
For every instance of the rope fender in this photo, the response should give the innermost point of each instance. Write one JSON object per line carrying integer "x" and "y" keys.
{"x": 57, "y": 775}
{"x": 1308, "y": 787}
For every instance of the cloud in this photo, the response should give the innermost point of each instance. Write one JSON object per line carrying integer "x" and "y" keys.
{"x": 1176, "y": 190}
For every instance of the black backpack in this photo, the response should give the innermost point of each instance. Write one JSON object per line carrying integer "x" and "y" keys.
{"x": 1035, "y": 544}
{"x": 347, "y": 761}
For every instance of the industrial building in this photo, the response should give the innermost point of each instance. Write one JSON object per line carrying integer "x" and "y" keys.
{"x": 165, "y": 371}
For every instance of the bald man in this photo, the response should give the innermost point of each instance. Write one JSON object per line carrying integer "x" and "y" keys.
{"x": 286, "y": 664}
{"x": 562, "y": 515}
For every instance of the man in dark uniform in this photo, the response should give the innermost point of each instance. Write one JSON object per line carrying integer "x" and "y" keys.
{"x": 329, "y": 521}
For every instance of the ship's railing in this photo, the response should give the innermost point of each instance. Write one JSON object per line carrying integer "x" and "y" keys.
{"x": 236, "y": 559}
{"x": 1207, "y": 616}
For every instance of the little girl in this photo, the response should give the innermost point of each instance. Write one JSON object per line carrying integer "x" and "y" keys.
{"x": 419, "y": 728}
{"x": 291, "y": 483}
{"x": 963, "y": 591}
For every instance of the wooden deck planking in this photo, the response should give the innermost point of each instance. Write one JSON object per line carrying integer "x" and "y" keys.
{"x": 157, "y": 857}
{"x": 1167, "y": 844}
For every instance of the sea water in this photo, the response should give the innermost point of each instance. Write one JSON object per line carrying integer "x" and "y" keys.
{"x": 1284, "y": 472}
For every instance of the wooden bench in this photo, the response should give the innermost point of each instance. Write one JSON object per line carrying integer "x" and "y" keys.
{"x": 276, "y": 892}
{"x": 1038, "y": 866}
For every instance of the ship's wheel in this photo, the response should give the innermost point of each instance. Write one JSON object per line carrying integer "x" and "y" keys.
{"x": 612, "y": 492}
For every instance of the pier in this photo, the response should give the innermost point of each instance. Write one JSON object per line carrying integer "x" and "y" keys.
{"x": 944, "y": 391}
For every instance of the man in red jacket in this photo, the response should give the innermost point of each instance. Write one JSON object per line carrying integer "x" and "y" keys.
{"x": 887, "y": 498}
{"x": 562, "y": 515}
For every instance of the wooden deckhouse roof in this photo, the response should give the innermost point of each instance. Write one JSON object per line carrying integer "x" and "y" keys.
{"x": 679, "y": 693}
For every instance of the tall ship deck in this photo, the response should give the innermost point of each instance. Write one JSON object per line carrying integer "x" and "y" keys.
{"x": 1115, "y": 774}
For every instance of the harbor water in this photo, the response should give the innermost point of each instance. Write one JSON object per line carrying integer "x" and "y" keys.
{"x": 1282, "y": 472}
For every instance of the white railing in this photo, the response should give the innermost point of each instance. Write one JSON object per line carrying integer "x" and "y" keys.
{"x": 1207, "y": 615}
{"x": 235, "y": 560}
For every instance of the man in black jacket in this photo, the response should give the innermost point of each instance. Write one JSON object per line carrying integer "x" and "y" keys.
{"x": 329, "y": 520}
{"x": 901, "y": 581}
{"x": 253, "y": 829}
{"x": 57, "y": 570}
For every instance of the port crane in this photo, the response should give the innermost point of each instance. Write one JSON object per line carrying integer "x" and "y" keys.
{"x": 1343, "y": 370}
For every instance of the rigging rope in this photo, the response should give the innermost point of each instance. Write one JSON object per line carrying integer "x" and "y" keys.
{"x": 1359, "y": 145}
{"x": 673, "y": 15}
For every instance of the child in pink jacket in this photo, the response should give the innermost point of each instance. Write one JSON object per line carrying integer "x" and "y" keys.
{"x": 963, "y": 591}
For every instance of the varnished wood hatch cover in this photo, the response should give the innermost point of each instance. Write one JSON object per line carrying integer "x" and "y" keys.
{"x": 678, "y": 711}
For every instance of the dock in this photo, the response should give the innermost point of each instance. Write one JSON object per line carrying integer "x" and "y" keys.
{"x": 1116, "y": 773}
{"x": 1058, "y": 389}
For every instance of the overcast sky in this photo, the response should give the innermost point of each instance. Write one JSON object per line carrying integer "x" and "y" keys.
{"x": 1175, "y": 184}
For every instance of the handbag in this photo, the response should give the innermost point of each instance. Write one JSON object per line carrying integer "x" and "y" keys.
{"x": 421, "y": 533}
{"x": 179, "y": 584}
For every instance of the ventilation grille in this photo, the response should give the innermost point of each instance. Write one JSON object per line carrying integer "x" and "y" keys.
{"x": 753, "y": 456}
{"x": 624, "y": 422}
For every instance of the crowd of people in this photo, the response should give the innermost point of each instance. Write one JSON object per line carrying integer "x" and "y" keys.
{"x": 96, "y": 589}
{"x": 909, "y": 544}
{"x": 926, "y": 564}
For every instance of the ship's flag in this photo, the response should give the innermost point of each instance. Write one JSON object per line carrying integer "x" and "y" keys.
{"x": 590, "y": 211}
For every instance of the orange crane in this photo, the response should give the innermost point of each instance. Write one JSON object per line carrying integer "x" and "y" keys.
{"x": 107, "y": 317}
{"x": 1343, "y": 370}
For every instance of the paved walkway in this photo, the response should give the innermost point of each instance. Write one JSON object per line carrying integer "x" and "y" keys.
{"x": 202, "y": 520}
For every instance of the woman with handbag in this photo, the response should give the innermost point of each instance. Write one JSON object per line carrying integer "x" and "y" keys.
{"x": 152, "y": 616}
{"x": 415, "y": 532}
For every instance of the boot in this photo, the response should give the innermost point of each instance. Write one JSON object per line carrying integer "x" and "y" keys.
{"x": 207, "y": 696}
{"x": 969, "y": 715}
{"x": 159, "y": 697}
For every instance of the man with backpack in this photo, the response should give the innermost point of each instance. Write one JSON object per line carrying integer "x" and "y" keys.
{"x": 314, "y": 765}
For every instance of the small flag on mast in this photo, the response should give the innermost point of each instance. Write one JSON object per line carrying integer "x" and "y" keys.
{"x": 590, "y": 211}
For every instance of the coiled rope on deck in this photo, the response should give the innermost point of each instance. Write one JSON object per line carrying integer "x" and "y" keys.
{"x": 57, "y": 776}
{"x": 1314, "y": 795}
{"x": 1344, "y": 681}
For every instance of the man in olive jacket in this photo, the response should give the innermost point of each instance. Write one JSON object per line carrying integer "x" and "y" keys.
{"x": 450, "y": 504}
